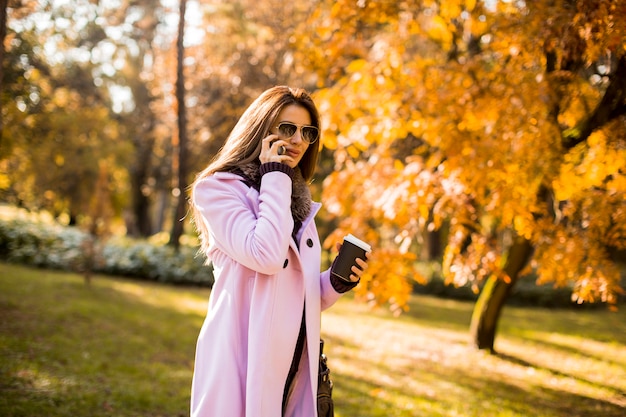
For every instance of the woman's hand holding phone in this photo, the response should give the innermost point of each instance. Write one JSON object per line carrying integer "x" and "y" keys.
{"x": 273, "y": 150}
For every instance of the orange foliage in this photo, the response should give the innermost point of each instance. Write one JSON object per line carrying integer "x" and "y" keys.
{"x": 448, "y": 114}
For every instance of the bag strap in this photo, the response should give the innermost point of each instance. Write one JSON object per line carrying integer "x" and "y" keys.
{"x": 293, "y": 369}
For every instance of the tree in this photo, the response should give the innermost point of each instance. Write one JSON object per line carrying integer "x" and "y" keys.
{"x": 141, "y": 46}
{"x": 246, "y": 48}
{"x": 179, "y": 213}
{"x": 3, "y": 34}
{"x": 58, "y": 124}
{"x": 112, "y": 66}
{"x": 98, "y": 224}
{"x": 568, "y": 72}
{"x": 456, "y": 114}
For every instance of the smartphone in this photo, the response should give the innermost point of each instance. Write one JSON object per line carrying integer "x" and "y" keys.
{"x": 281, "y": 148}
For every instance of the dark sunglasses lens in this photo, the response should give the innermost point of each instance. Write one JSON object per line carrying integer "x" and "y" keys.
{"x": 309, "y": 133}
{"x": 287, "y": 129}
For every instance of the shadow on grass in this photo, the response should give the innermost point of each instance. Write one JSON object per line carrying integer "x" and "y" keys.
{"x": 578, "y": 351}
{"x": 454, "y": 392}
{"x": 600, "y": 325}
{"x": 522, "y": 362}
{"x": 356, "y": 397}
{"x": 485, "y": 385}
{"x": 440, "y": 313}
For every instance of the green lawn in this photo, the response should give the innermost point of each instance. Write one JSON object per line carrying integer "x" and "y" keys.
{"x": 125, "y": 348}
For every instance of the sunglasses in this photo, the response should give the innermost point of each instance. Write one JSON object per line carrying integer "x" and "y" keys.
{"x": 309, "y": 133}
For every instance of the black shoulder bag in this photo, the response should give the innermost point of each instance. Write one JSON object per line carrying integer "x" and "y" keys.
{"x": 325, "y": 405}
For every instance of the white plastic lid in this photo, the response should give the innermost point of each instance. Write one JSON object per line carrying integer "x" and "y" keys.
{"x": 358, "y": 242}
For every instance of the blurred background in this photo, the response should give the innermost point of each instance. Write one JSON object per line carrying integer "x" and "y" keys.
{"x": 479, "y": 146}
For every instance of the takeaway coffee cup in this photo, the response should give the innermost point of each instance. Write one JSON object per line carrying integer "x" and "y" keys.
{"x": 351, "y": 249}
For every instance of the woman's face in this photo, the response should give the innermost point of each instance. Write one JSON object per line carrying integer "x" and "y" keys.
{"x": 296, "y": 146}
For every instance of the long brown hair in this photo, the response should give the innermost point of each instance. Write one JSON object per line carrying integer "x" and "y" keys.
{"x": 243, "y": 145}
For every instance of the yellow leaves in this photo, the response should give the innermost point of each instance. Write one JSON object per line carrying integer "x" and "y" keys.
{"x": 361, "y": 195}
{"x": 478, "y": 27}
{"x": 5, "y": 181}
{"x": 356, "y": 66}
{"x": 453, "y": 9}
{"x": 616, "y": 232}
{"x": 470, "y": 4}
{"x": 439, "y": 30}
{"x": 470, "y": 122}
{"x": 601, "y": 27}
{"x": 425, "y": 140}
{"x": 362, "y": 109}
{"x": 443, "y": 16}
{"x": 524, "y": 225}
{"x": 389, "y": 279}
{"x": 469, "y": 257}
{"x": 353, "y": 152}
{"x": 62, "y": 97}
{"x": 569, "y": 259}
{"x": 599, "y": 162}
{"x": 577, "y": 97}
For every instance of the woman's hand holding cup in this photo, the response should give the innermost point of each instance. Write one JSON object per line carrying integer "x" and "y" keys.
{"x": 351, "y": 262}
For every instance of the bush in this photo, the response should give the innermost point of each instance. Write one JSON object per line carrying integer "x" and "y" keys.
{"x": 54, "y": 246}
{"x": 525, "y": 292}
{"x": 61, "y": 247}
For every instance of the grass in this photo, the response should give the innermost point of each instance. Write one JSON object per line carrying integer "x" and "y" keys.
{"x": 126, "y": 348}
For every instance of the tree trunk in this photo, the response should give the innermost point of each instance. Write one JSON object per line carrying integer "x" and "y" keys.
{"x": 494, "y": 295}
{"x": 179, "y": 214}
{"x": 141, "y": 220}
{"x": 433, "y": 244}
{"x": 610, "y": 107}
{"x": 3, "y": 33}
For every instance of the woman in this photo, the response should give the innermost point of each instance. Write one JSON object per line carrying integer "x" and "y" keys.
{"x": 258, "y": 349}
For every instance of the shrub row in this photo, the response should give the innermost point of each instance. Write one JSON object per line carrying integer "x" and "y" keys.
{"x": 526, "y": 291}
{"x": 68, "y": 248}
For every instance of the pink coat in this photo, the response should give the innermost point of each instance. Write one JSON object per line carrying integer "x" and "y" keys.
{"x": 262, "y": 282}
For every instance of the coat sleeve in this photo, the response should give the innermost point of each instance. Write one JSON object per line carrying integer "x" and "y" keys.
{"x": 329, "y": 295}
{"x": 256, "y": 238}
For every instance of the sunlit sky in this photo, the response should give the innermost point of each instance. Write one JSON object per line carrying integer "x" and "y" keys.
{"x": 106, "y": 54}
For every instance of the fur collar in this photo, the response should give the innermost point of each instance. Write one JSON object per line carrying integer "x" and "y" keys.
{"x": 300, "y": 192}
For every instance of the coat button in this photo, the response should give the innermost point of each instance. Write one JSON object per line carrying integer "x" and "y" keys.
{"x": 309, "y": 243}
{"x": 286, "y": 263}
